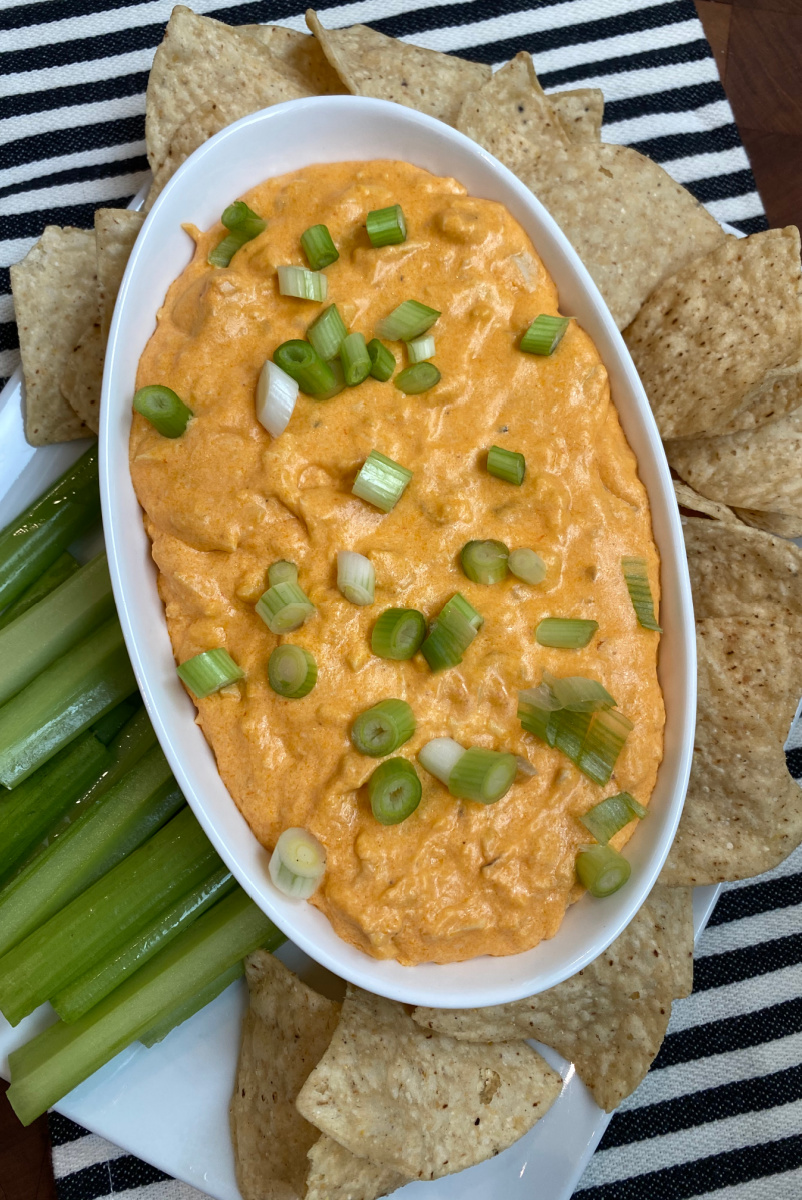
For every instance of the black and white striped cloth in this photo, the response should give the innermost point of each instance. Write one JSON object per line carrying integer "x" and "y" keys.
{"x": 720, "y": 1113}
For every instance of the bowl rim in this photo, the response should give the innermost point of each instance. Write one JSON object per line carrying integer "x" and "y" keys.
{"x": 454, "y": 985}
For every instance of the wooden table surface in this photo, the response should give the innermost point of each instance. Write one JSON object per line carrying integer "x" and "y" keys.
{"x": 758, "y": 48}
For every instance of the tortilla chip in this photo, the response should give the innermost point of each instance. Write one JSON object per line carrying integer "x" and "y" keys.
{"x": 778, "y": 396}
{"x": 55, "y": 299}
{"x": 425, "y": 1106}
{"x": 776, "y": 523}
{"x": 336, "y": 1174}
{"x": 743, "y": 811}
{"x": 609, "y": 1019}
{"x": 688, "y": 498}
{"x": 629, "y": 222}
{"x": 760, "y": 468}
{"x": 83, "y": 375}
{"x": 116, "y": 230}
{"x": 370, "y": 64}
{"x": 719, "y": 331}
{"x": 672, "y": 909}
{"x": 302, "y": 54}
{"x": 741, "y": 572}
{"x": 581, "y": 113}
{"x": 201, "y": 62}
{"x": 511, "y": 116}
{"x": 200, "y": 125}
{"x": 286, "y": 1031}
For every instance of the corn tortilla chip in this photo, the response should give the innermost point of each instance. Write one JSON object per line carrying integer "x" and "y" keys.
{"x": 688, "y": 498}
{"x": 743, "y": 811}
{"x": 606, "y": 200}
{"x": 286, "y": 1031}
{"x": 116, "y": 230}
{"x": 760, "y": 468}
{"x": 302, "y": 54}
{"x": 776, "y": 523}
{"x": 719, "y": 331}
{"x": 83, "y": 375}
{"x": 511, "y": 116}
{"x": 199, "y": 126}
{"x": 609, "y": 1019}
{"x": 425, "y": 1105}
{"x": 777, "y": 397}
{"x": 55, "y": 299}
{"x": 581, "y": 112}
{"x": 672, "y": 910}
{"x": 202, "y": 61}
{"x": 336, "y": 1174}
{"x": 741, "y": 572}
{"x": 370, "y": 64}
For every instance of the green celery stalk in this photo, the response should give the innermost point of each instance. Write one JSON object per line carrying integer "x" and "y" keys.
{"x": 177, "y": 1016}
{"x": 102, "y": 919}
{"x": 110, "y": 726}
{"x": 50, "y": 579}
{"x": 94, "y": 985}
{"x": 121, "y": 820}
{"x": 34, "y": 540}
{"x": 57, "y": 1060}
{"x": 54, "y": 625}
{"x": 29, "y": 813}
{"x": 74, "y": 691}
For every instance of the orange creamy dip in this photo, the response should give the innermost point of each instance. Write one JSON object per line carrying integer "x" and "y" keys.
{"x": 456, "y": 879}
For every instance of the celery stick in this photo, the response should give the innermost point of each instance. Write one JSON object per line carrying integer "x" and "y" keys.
{"x": 60, "y": 703}
{"x": 50, "y": 579}
{"x": 122, "y": 819}
{"x": 34, "y": 540}
{"x": 110, "y": 726}
{"x": 93, "y": 986}
{"x": 29, "y": 813}
{"x": 102, "y": 919}
{"x": 177, "y": 1016}
{"x": 54, "y": 626}
{"x": 57, "y": 1060}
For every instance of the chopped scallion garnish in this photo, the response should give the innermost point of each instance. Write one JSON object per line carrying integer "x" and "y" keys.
{"x": 459, "y": 604}
{"x": 355, "y": 359}
{"x": 409, "y": 320}
{"x": 327, "y": 333}
{"x": 421, "y": 348}
{"x": 243, "y": 225}
{"x": 420, "y": 377}
{"x": 382, "y": 729}
{"x": 381, "y": 481}
{"x": 449, "y": 637}
{"x": 527, "y": 565}
{"x": 282, "y": 571}
{"x": 166, "y": 411}
{"x": 440, "y": 756}
{"x": 483, "y": 775}
{"x": 208, "y": 672}
{"x": 297, "y": 864}
{"x": 398, "y": 633}
{"x": 544, "y": 334}
{"x": 284, "y": 607}
{"x": 485, "y": 562}
{"x": 303, "y": 364}
{"x": 636, "y": 574}
{"x": 565, "y": 633}
{"x": 276, "y": 394}
{"x": 602, "y": 870}
{"x": 292, "y": 671}
{"x": 319, "y": 247}
{"x": 394, "y": 790}
{"x": 577, "y": 693}
{"x": 356, "y": 577}
{"x": 603, "y": 744}
{"x": 508, "y": 465}
{"x": 339, "y": 381}
{"x": 302, "y": 283}
{"x": 608, "y": 817}
{"x": 386, "y": 226}
{"x": 382, "y": 360}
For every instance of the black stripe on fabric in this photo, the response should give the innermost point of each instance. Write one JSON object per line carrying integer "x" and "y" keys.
{"x": 672, "y": 100}
{"x": 731, "y": 1033}
{"x": 717, "y": 1171}
{"x": 129, "y": 1172}
{"x": 733, "y": 966}
{"x": 9, "y": 338}
{"x": 54, "y": 10}
{"x": 699, "y": 1108}
{"x": 87, "y": 1184}
{"x": 61, "y": 53}
{"x": 57, "y": 142}
{"x": 756, "y": 224}
{"x": 90, "y": 92}
{"x": 794, "y": 760}
{"x": 738, "y": 903}
{"x": 63, "y": 1130}
{"x": 665, "y": 56}
{"x": 5, "y": 281}
{"x": 723, "y": 187}
{"x": 682, "y": 145}
{"x": 122, "y": 166}
{"x": 31, "y": 224}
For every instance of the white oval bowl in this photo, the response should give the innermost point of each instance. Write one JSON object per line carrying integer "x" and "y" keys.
{"x": 270, "y": 143}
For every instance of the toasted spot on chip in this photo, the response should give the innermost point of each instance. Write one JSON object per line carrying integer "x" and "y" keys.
{"x": 629, "y": 222}
{"x": 688, "y": 498}
{"x": 410, "y": 1099}
{"x": 581, "y": 112}
{"x": 371, "y": 64}
{"x": 336, "y": 1174}
{"x": 116, "y": 230}
{"x": 83, "y": 375}
{"x": 741, "y": 572}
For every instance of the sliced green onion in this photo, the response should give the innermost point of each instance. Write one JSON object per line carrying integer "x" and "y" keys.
{"x": 409, "y": 320}
{"x": 302, "y": 283}
{"x": 440, "y": 756}
{"x": 570, "y": 731}
{"x": 421, "y": 348}
{"x": 166, "y": 412}
{"x": 485, "y": 562}
{"x": 208, "y": 672}
{"x": 284, "y": 607}
{"x": 482, "y": 775}
{"x": 292, "y": 671}
{"x": 297, "y": 864}
{"x": 276, "y": 394}
{"x": 382, "y": 360}
{"x": 544, "y": 334}
{"x": 508, "y": 465}
{"x": 577, "y": 693}
{"x": 640, "y": 593}
{"x": 459, "y": 604}
{"x": 243, "y": 225}
{"x": 603, "y": 744}
{"x": 602, "y": 870}
{"x": 382, "y": 729}
{"x": 319, "y": 247}
{"x": 381, "y": 481}
{"x": 449, "y": 637}
{"x": 527, "y": 565}
{"x": 339, "y": 381}
{"x": 417, "y": 378}
{"x": 542, "y": 722}
{"x": 355, "y": 359}
{"x": 303, "y": 364}
{"x": 398, "y": 633}
{"x": 386, "y": 226}
{"x": 282, "y": 571}
{"x": 605, "y": 819}
{"x": 565, "y": 633}
{"x": 394, "y": 790}
{"x": 356, "y": 577}
{"x": 326, "y": 333}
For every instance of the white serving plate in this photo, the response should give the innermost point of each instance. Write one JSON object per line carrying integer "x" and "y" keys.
{"x": 270, "y": 143}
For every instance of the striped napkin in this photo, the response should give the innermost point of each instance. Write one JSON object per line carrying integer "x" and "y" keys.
{"x": 720, "y": 1113}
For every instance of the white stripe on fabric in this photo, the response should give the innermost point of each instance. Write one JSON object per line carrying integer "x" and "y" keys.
{"x": 736, "y": 208}
{"x": 83, "y": 1152}
{"x": 84, "y": 191}
{"x": 703, "y": 166}
{"x": 714, "y": 1137}
{"x": 646, "y": 81}
{"x": 74, "y": 116}
{"x": 750, "y": 931}
{"x": 100, "y": 156}
{"x": 787, "y": 1186}
{"x": 652, "y": 125}
{"x": 737, "y": 999}
{"x": 9, "y": 361}
{"x": 169, "y": 1189}
{"x": 523, "y": 24}
{"x": 89, "y": 70}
